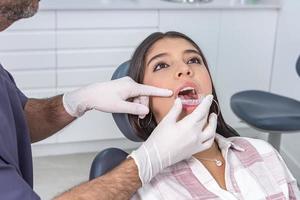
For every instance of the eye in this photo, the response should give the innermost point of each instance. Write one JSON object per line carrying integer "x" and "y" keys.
{"x": 194, "y": 60}
{"x": 160, "y": 66}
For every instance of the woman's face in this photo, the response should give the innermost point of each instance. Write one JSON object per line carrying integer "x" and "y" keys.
{"x": 175, "y": 64}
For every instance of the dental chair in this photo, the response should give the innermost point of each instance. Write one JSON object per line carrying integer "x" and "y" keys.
{"x": 268, "y": 112}
{"x": 110, "y": 158}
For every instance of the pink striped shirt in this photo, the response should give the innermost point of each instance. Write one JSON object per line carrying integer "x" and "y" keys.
{"x": 253, "y": 170}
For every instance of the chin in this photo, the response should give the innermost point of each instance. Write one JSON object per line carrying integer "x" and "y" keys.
{"x": 188, "y": 109}
{"x": 185, "y": 111}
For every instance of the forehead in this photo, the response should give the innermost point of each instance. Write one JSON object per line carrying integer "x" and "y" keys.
{"x": 170, "y": 45}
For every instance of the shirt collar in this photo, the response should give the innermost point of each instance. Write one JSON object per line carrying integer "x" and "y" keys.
{"x": 226, "y": 143}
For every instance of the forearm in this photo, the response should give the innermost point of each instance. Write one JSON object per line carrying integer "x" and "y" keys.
{"x": 119, "y": 184}
{"x": 45, "y": 117}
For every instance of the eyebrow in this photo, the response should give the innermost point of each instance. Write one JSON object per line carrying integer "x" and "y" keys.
{"x": 164, "y": 54}
{"x": 156, "y": 56}
{"x": 192, "y": 51}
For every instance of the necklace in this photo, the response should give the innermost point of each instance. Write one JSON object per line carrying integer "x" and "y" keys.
{"x": 219, "y": 163}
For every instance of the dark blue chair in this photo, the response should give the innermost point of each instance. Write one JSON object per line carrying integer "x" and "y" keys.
{"x": 268, "y": 112}
{"x": 112, "y": 157}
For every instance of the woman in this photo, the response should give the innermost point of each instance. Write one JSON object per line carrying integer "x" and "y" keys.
{"x": 233, "y": 167}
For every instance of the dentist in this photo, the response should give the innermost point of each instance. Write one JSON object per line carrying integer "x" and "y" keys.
{"x": 24, "y": 121}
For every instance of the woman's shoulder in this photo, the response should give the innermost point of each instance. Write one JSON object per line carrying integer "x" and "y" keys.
{"x": 260, "y": 145}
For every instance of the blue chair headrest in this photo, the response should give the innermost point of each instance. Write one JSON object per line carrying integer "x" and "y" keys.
{"x": 298, "y": 66}
{"x": 122, "y": 119}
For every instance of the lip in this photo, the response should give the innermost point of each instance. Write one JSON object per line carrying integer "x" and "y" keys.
{"x": 188, "y": 108}
{"x": 186, "y": 84}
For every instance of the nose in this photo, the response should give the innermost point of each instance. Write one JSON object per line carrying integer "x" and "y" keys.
{"x": 184, "y": 71}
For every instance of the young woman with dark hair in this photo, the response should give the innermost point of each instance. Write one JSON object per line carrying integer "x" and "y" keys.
{"x": 233, "y": 167}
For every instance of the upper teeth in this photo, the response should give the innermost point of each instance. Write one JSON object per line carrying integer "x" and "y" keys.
{"x": 187, "y": 91}
{"x": 186, "y": 88}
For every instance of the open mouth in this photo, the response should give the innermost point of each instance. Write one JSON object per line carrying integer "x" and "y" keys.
{"x": 189, "y": 96}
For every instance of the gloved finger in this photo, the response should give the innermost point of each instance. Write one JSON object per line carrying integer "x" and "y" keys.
{"x": 201, "y": 124}
{"x": 132, "y": 108}
{"x": 173, "y": 114}
{"x": 206, "y": 144}
{"x": 144, "y": 100}
{"x": 138, "y": 101}
{"x": 206, "y": 121}
{"x": 210, "y": 129}
{"x": 147, "y": 90}
{"x": 201, "y": 110}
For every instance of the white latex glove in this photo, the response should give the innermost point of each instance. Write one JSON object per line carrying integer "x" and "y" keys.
{"x": 173, "y": 141}
{"x": 111, "y": 97}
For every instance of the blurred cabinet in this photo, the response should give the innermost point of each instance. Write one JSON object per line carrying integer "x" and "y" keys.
{"x": 61, "y": 50}
{"x": 90, "y": 45}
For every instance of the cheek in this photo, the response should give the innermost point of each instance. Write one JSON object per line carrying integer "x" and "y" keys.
{"x": 207, "y": 85}
{"x": 205, "y": 82}
{"x": 160, "y": 106}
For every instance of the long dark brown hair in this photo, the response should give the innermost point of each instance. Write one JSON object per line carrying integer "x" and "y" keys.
{"x": 137, "y": 71}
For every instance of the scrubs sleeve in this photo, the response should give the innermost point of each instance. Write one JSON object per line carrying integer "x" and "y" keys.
{"x": 22, "y": 96}
{"x": 12, "y": 185}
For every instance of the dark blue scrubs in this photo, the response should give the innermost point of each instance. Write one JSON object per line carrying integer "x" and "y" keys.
{"x": 16, "y": 176}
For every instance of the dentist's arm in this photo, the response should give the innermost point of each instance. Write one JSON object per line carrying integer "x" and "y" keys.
{"x": 169, "y": 143}
{"x": 119, "y": 184}
{"x": 47, "y": 116}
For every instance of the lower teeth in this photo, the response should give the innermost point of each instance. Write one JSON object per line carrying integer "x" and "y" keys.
{"x": 191, "y": 102}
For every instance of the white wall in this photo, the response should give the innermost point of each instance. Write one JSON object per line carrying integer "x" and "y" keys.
{"x": 285, "y": 80}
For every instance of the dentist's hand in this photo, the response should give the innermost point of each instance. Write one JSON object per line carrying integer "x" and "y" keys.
{"x": 173, "y": 141}
{"x": 112, "y": 97}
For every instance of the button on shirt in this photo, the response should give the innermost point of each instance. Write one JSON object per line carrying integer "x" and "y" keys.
{"x": 16, "y": 176}
{"x": 253, "y": 170}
